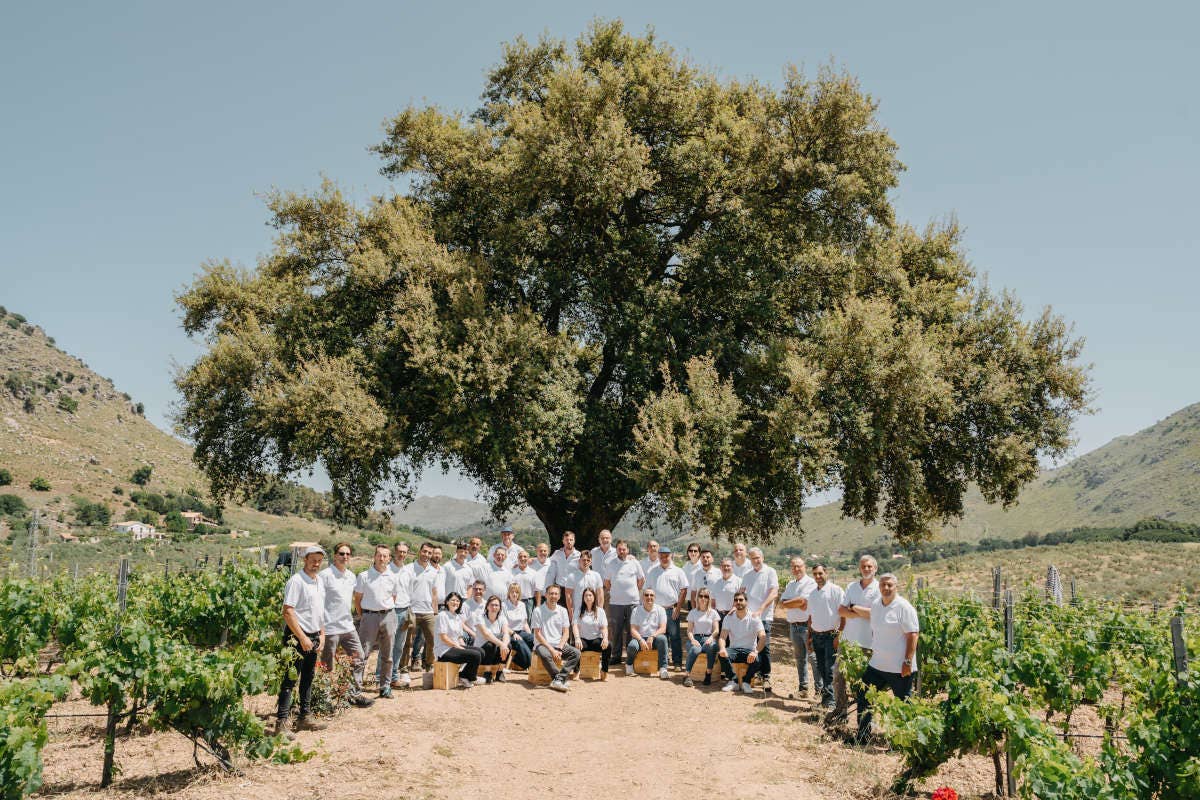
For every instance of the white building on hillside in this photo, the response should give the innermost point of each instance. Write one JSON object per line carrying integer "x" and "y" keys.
{"x": 138, "y": 530}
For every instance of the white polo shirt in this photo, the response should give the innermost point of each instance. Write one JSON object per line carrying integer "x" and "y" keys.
{"x": 743, "y": 633}
{"x": 563, "y": 570}
{"x": 516, "y": 615}
{"x": 646, "y": 622}
{"x": 889, "y": 625}
{"x": 592, "y": 626}
{"x": 624, "y": 577}
{"x": 459, "y": 578}
{"x": 722, "y": 592}
{"x": 378, "y": 589}
{"x": 668, "y": 584}
{"x": 690, "y": 571}
{"x": 403, "y": 584}
{"x": 741, "y": 569}
{"x": 601, "y": 560}
{"x": 339, "y": 595}
{"x": 584, "y": 580}
{"x": 700, "y": 579}
{"x": 449, "y": 624}
{"x": 307, "y": 596}
{"x": 528, "y": 578}
{"x": 703, "y": 623}
{"x": 798, "y": 589}
{"x": 552, "y": 624}
{"x": 823, "y": 604}
{"x": 498, "y": 580}
{"x": 858, "y": 630}
{"x": 422, "y": 584}
{"x": 757, "y": 584}
{"x": 480, "y": 566}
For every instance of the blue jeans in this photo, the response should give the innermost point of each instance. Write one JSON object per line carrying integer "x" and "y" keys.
{"x": 764, "y": 668}
{"x": 799, "y": 633}
{"x": 708, "y": 646}
{"x": 403, "y": 623}
{"x": 674, "y": 637}
{"x": 823, "y": 675}
{"x": 738, "y": 655}
{"x": 522, "y": 647}
{"x": 659, "y": 644}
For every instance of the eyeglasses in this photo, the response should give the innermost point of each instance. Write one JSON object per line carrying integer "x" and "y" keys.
{"x": 693, "y": 551}
{"x": 740, "y": 600}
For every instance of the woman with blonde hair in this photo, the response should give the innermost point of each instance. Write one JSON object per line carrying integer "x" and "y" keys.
{"x": 516, "y": 614}
{"x": 591, "y": 629}
{"x": 491, "y": 629}
{"x": 703, "y": 623}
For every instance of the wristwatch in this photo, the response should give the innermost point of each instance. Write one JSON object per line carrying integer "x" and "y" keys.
{"x": 908, "y": 662}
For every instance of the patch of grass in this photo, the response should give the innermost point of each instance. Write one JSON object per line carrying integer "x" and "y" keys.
{"x": 443, "y": 751}
{"x": 765, "y": 716}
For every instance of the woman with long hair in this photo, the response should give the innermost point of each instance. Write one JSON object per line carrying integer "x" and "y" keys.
{"x": 491, "y": 629}
{"x": 703, "y": 623}
{"x": 591, "y": 628}
{"x": 449, "y": 646}
{"x": 516, "y": 614}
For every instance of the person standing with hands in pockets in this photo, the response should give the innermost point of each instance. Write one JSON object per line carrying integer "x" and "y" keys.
{"x": 304, "y": 615}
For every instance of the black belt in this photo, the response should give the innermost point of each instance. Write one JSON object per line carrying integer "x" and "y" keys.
{"x": 377, "y": 611}
{"x": 820, "y": 633}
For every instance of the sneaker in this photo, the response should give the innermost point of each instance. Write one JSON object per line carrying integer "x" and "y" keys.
{"x": 386, "y": 693}
{"x": 280, "y": 729}
{"x": 766, "y": 685}
{"x": 629, "y": 669}
{"x": 361, "y": 701}
{"x": 463, "y": 683}
{"x": 558, "y": 685}
{"x": 500, "y": 676}
{"x": 307, "y": 723}
{"x": 662, "y": 673}
{"x": 747, "y": 689}
{"x": 708, "y": 679}
{"x": 404, "y": 682}
{"x": 480, "y": 681}
{"x": 688, "y": 682}
{"x": 729, "y": 687}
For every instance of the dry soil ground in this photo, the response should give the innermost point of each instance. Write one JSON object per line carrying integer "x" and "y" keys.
{"x": 627, "y": 737}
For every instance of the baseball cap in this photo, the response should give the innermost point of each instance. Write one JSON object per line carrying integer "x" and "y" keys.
{"x": 506, "y": 529}
{"x": 313, "y": 548}
{"x": 664, "y": 550}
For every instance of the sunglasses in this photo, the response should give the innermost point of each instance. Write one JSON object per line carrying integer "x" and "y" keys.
{"x": 342, "y": 553}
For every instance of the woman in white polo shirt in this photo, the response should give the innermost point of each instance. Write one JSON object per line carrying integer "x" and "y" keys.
{"x": 703, "y": 622}
{"x": 449, "y": 646}
{"x": 516, "y": 614}
{"x": 648, "y": 628}
{"x": 591, "y": 628}
{"x": 491, "y": 630}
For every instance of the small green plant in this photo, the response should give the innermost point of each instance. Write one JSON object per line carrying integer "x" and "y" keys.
{"x": 12, "y": 323}
{"x": 40, "y": 484}
{"x": 118, "y": 490}
{"x": 68, "y": 403}
{"x": 20, "y": 318}
{"x": 141, "y": 475}
{"x": 5, "y": 477}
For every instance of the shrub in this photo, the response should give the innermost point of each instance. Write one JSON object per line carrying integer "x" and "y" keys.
{"x": 20, "y": 318}
{"x": 5, "y": 477}
{"x": 12, "y": 505}
{"x": 175, "y": 522}
{"x": 12, "y": 323}
{"x": 70, "y": 376}
{"x": 118, "y": 490}
{"x": 50, "y": 382}
{"x": 89, "y": 513}
{"x": 30, "y": 404}
{"x": 140, "y": 409}
{"x": 68, "y": 403}
{"x": 39, "y": 484}
{"x": 141, "y": 475}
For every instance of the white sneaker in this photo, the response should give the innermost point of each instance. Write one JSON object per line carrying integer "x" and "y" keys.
{"x": 404, "y": 680}
{"x": 662, "y": 673}
{"x": 558, "y": 685}
{"x": 629, "y": 669}
{"x": 480, "y": 681}
{"x": 747, "y": 688}
{"x": 463, "y": 683}
{"x": 729, "y": 687}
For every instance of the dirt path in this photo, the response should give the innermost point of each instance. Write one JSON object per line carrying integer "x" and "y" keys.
{"x": 630, "y": 736}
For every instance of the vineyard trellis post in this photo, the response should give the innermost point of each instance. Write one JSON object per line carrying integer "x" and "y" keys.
{"x": 1179, "y": 647}
{"x": 110, "y": 726}
{"x": 996, "y": 588}
{"x": 1010, "y": 645}
{"x": 1073, "y": 592}
{"x": 33, "y": 543}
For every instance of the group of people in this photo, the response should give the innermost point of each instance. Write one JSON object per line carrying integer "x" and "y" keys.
{"x": 510, "y": 607}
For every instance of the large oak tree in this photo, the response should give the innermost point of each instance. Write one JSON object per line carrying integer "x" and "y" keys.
{"x": 625, "y": 283}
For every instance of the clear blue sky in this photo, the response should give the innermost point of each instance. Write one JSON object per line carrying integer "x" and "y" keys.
{"x": 137, "y": 136}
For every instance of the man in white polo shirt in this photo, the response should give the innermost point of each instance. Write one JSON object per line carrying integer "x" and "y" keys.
{"x": 499, "y": 576}
{"x": 550, "y": 625}
{"x": 741, "y": 564}
{"x": 860, "y": 595}
{"x": 375, "y": 600}
{"x": 511, "y": 548}
{"x": 563, "y": 570}
{"x": 540, "y": 564}
{"x": 623, "y": 582}
{"x": 459, "y": 575}
{"x": 761, "y": 585}
{"x": 743, "y": 633}
{"x": 705, "y": 577}
{"x": 651, "y": 560}
{"x": 893, "y": 664}
{"x": 304, "y": 616}
{"x": 670, "y": 587}
{"x": 824, "y": 629}
{"x": 339, "y": 582}
{"x": 404, "y": 621}
{"x": 425, "y": 601}
{"x": 795, "y": 600}
{"x": 476, "y": 560}
{"x": 723, "y": 589}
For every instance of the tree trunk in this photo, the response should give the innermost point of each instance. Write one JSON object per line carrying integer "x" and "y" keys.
{"x": 586, "y": 518}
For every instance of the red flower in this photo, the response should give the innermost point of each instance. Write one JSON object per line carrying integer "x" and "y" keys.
{"x": 945, "y": 793}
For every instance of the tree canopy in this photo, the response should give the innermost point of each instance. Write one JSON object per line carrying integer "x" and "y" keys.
{"x": 624, "y": 283}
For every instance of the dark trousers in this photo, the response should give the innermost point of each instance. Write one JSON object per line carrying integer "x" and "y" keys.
{"x": 765, "y": 668}
{"x": 522, "y": 647}
{"x": 470, "y": 657}
{"x": 491, "y": 653}
{"x": 593, "y": 645}
{"x": 306, "y": 665}
{"x": 899, "y": 685}
{"x": 823, "y": 653}
{"x": 618, "y": 627}
{"x": 738, "y": 655}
